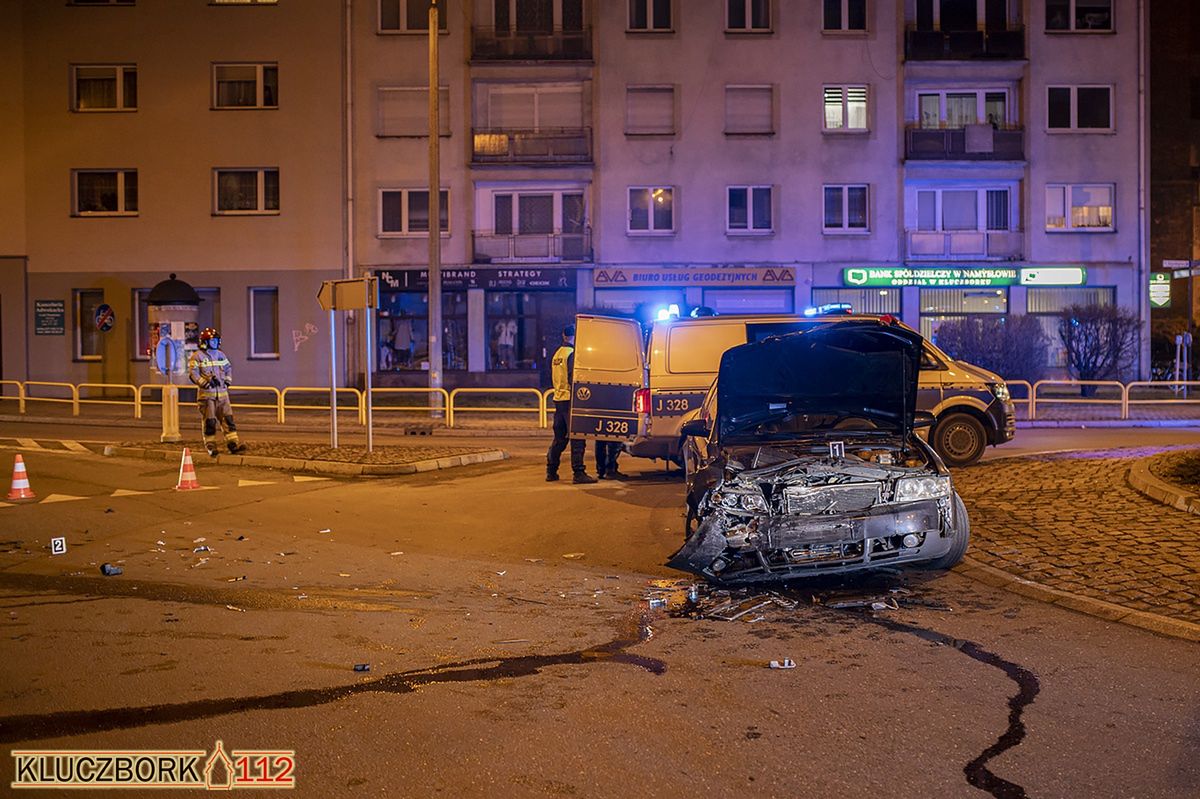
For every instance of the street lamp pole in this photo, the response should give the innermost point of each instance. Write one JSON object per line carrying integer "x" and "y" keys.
{"x": 435, "y": 215}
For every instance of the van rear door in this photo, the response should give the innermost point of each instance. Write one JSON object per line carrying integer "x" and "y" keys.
{"x": 610, "y": 365}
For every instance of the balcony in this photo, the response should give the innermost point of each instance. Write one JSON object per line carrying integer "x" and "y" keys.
{"x": 499, "y": 248}
{"x": 546, "y": 146}
{"x": 972, "y": 143}
{"x": 966, "y": 245}
{"x": 491, "y": 44}
{"x": 964, "y": 45}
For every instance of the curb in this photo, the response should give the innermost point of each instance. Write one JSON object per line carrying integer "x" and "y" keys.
{"x": 333, "y": 468}
{"x": 998, "y": 578}
{"x": 305, "y": 427}
{"x": 1142, "y": 479}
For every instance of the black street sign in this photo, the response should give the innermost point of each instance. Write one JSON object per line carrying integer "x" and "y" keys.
{"x": 49, "y": 317}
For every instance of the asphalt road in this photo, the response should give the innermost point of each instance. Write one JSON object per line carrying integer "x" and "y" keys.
{"x": 501, "y": 668}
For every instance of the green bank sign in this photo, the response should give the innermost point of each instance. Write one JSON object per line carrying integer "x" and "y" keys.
{"x": 955, "y": 277}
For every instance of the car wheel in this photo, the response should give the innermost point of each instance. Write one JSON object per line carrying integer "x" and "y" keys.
{"x": 960, "y": 537}
{"x": 960, "y": 439}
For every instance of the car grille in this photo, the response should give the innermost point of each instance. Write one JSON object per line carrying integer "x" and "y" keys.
{"x": 831, "y": 499}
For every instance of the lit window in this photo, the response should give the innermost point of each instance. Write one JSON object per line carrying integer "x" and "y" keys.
{"x": 104, "y": 88}
{"x": 409, "y": 16}
{"x": 650, "y": 15}
{"x": 245, "y": 86}
{"x": 1079, "y": 108}
{"x": 264, "y": 322}
{"x": 1086, "y": 208}
{"x": 845, "y": 209}
{"x": 845, "y": 108}
{"x": 105, "y": 192}
{"x": 845, "y": 15}
{"x": 748, "y": 15}
{"x": 405, "y": 212}
{"x": 1079, "y": 15}
{"x": 246, "y": 191}
{"x": 651, "y": 210}
{"x": 748, "y": 209}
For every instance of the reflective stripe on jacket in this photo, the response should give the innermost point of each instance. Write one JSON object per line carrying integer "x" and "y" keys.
{"x": 560, "y": 372}
{"x": 210, "y": 371}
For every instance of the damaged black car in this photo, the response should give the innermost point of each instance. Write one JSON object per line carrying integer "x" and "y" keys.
{"x": 806, "y": 459}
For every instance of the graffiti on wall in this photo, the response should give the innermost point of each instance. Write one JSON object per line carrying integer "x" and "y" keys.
{"x": 301, "y": 336}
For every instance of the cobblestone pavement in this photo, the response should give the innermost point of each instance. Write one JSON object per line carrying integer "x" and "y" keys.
{"x": 382, "y": 455}
{"x": 1073, "y": 523}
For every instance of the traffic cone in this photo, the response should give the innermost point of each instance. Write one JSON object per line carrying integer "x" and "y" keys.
{"x": 187, "y": 473}
{"x": 20, "y": 481}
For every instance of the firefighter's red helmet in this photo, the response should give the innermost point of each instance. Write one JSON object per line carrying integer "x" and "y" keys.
{"x": 210, "y": 339}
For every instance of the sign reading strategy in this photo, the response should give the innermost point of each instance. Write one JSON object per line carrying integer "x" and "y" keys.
{"x": 642, "y": 276}
{"x": 1160, "y": 289}
{"x": 518, "y": 278}
{"x": 957, "y": 277}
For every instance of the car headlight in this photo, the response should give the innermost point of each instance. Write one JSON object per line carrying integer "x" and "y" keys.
{"x": 911, "y": 489}
{"x": 752, "y": 501}
{"x": 1000, "y": 390}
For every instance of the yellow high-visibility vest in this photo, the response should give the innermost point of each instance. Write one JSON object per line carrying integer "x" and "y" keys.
{"x": 560, "y": 374}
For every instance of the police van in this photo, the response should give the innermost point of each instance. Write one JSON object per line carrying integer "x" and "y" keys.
{"x": 627, "y": 391}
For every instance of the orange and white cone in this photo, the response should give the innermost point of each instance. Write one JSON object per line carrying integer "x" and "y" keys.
{"x": 187, "y": 473}
{"x": 20, "y": 481}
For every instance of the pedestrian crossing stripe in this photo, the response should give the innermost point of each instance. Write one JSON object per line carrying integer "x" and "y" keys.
{"x": 75, "y": 446}
{"x": 304, "y": 478}
{"x": 29, "y": 443}
{"x": 59, "y": 498}
{"x": 6, "y": 505}
{"x": 125, "y": 492}
{"x": 242, "y": 483}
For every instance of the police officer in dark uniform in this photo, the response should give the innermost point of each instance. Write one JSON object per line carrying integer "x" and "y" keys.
{"x": 562, "y": 368}
{"x": 607, "y": 453}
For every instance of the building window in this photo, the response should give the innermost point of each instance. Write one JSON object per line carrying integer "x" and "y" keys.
{"x": 1079, "y": 15}
{"x": 958, "y": 108}
{"x": 962, "y": 209}
{"x": 649, "y": 110}
{"x": 651, "y": 210}
{"x": 404, "y": 111}
{"x": 1047, "y": 305}
{"x": 245, "y": 86}
{"x": 749, "y": 110}
{"x": 846, "y": 108}
{"x": 940, "y": 305}
{"x": 87, "y": 337}
{"x": 846, "y": 209}
{"x": 650, "y": 15}
{"x": 530, "y": 106}
{"x": 405, "y": 212}
{"x": 1079, "y": 207}
{"x": 105, "y": 192}
{"x": 748, "y": 209}
{"x": 845, "y": 15}
{"x": 409, "y": 16}
{"x": 104, "y": 88}
{"x": 264, "y": 322}
{"x": 524, "y": 328}
{"x": 878, "y": 301}
{"x": 246, "y": 191}
{"x": 404, "y": 330}
{"x": 1079, "y": 108}
{"x": 748, "y": 15}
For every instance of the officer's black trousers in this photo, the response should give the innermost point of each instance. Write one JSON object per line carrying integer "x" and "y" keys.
{"x": 562, "y": 416}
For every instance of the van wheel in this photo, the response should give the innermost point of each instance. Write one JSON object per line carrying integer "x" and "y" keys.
{"x": 960, "y": 537}
{"x": 960, "y": 439}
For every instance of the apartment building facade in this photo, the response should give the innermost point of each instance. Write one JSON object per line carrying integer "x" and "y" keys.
{"x": 928, "y": 158}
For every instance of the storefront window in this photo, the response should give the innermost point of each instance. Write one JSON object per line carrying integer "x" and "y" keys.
{"x": 728, "y": 301}
{"x": 645, "y": 303}
{"x": 404, "y": 331}
{"x": 1047, "y": 304}
{"x": 524, "y": 327}
{"x": 879, "y": 301}
{"x": 940, "y": 305}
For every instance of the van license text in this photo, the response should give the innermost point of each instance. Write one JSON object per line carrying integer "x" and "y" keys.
{"x": 610, "y": 427}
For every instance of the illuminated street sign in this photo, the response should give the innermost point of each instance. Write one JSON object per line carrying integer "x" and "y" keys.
{"x": 952, "y": 277}
{"x": 1160, "y": 290}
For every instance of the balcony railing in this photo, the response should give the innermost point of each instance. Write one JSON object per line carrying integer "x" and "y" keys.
{"x": 491, "y": 44}
{"x": 964, "y": 45}
{"x": 526, "y": 247}
{"x": 972, "y": 143}
{"x": 554, "y": 146}
{"x": 1002, "y": 245}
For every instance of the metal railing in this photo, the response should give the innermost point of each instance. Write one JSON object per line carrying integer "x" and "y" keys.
{"x": 543, "y": 247}
{"x": 71, "y": 387}
{"x": 359, "y": 404}
{"x": 540, "y": 409}
{"x": 553, "y": 146}
{"x": 931, "y": 45}
{"x": 966, "y": 244}
{"x": 430, "y": 407}
{"x": 19, "y": 399}
{"x": 504, "y": 44}
{"x": 976, "y": 143}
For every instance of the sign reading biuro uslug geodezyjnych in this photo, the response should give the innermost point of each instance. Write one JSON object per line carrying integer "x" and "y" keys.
{"x": 958, "y": 277}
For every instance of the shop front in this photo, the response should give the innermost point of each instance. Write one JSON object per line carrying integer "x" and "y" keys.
{"x": 645, "y": 291}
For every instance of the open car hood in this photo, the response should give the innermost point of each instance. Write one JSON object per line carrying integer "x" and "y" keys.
{"x": 863, "y": 369}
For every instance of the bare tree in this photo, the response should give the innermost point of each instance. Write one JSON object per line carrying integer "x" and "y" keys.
{"x": 1014, "y": 347}
{"x": 1101, "y": 341}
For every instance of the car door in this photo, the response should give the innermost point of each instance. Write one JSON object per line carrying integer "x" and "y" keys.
{"x": 610, "y": 365}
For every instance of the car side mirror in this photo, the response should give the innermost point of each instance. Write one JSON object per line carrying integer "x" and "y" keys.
{"x": 923, "y": 420}
{"x": 696, "y": 427}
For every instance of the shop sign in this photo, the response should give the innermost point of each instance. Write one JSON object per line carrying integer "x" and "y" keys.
{"x": 49, "y": 317}
{"x": 517, "y": 278}
{"x": 958, "y": 277}
{"x": 643, "y": 276}
{"x": 1160, "y": 289}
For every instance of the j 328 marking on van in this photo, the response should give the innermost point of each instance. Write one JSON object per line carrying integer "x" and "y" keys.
{"x": 664, "y": 404}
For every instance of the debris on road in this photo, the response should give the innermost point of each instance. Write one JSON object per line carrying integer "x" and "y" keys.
{"x": 397, "y": 552}
{"x": 202, "y": 548}
{"x": 199, "y": 540}
{"x": 362, "y": 666}
{"x": 786, "y": 663}
{"x": 501, "y": 574}
{"x": 235, "y": 607}
{"x": 574, "y": 555}
{"x": 343, "y": 574}
{"x": 161, "y": 543}
{"x": 326, "y": 530}
{"x": 109, "y": 570}
{"x": 236, "y": 579}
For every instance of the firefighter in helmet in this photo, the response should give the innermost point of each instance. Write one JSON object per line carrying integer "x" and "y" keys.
{"x": 209, "y": 369}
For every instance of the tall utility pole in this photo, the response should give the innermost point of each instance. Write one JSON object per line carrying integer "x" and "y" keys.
{"x": 435, "y": 214}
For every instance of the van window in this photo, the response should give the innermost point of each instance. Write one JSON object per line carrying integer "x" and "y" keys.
{"x": 621, "y": 350}
{"x": 697, "y": 348}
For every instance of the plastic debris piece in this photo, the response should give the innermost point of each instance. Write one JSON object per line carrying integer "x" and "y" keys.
{"x": 536, "y": 560}
{"x": 200, "y": 562}
{"x": 574, "y": 555}
{"x": 236, "y": 579}
{"x": 199, "y": 540}
{"x": 241, "y": 538}
{"x": 501, "y": 574}
{"x": 786, "y": 663}
{"x": 326, "y": 530}
{"x": 397, "y": 552}
{"x": 109, "y": 570}
{"x": 202, "y": 548}
{"x": 235, "y": 607}
{"x": 342, "y": 574}
{"x": 658, "y": 602}
{"x": 514, "y": 641}
{"x": 302, "y": 596}
{"x": 108, "y": 510}
{"x": 362, "y": 666}
{"x": 161, "y": 543}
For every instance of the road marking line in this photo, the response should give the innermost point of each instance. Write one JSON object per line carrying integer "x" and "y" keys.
{"x": 29, "y": 443}
{"x": 75, "y": 446}
{"x": 6, "y": 505}
{"x": 125, "y": 492}
{"x": 304, "y": 478}
{"x": 59, "y": 498}
{"x": 255, "y": 483}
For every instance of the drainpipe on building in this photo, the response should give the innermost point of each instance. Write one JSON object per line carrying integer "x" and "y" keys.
{"x": 349, "y": 350}
{"x": 1141, "y": 287}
